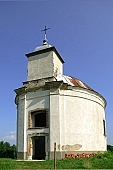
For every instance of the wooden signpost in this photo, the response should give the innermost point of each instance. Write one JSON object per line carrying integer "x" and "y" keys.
{"x": 54, "y": 156}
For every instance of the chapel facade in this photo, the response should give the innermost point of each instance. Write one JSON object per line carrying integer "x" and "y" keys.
{"x": 52, "y": 107}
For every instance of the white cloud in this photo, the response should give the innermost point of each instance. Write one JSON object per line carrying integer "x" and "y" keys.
{"x": 11, "y": 132}
{"x": 9, "y": 137}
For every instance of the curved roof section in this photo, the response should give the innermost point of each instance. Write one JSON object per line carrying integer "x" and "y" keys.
{"x": 42, "y": 47}
{"x": 76, "y": 83}
{"x": 72, "y": 81}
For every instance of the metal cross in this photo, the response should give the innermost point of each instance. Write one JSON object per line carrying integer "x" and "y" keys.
{"x": 45, "y": 31}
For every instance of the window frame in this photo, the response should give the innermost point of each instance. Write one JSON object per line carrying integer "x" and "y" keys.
{"x": 31, "y": 118}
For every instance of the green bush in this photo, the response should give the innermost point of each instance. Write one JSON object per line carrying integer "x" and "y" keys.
{"x": 110, "y": 148}
{"x": 108, "y": 154}
{"x": 7, "y": 151}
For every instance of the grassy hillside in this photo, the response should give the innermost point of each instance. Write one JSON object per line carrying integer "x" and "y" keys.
{"x": 101, "y": 161}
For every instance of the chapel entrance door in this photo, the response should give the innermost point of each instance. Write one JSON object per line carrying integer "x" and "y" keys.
{"x": 39, "y": 152}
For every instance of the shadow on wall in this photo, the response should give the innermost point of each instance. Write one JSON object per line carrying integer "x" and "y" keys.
{"x": 37, "y": 101}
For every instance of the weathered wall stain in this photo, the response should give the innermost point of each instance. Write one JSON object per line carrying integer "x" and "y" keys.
{"x": 69, "y": 147}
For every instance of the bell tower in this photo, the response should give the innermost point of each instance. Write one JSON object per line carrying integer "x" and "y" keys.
{"x": 44, "y": 62}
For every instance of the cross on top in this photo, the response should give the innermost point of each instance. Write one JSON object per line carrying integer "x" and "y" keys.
{"x": 45, "y": 32}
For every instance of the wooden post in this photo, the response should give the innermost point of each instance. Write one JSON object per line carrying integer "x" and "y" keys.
{"x": 54, "y": 156}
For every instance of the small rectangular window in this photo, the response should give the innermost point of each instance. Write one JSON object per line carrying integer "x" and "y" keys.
{"x": 38, "y": 119}
{"x": 104, "y": 127}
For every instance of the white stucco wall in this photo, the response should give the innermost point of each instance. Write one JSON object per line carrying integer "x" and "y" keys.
{"x": 37, "y": 99}
{"x": 54, "y": 118}
{"x": 81, "y": 116}
{"x": 21, "y": 124}
{"x": 40, "y": 66}
{"x": 43, "y": 65}
{"x": 58, "y": 67}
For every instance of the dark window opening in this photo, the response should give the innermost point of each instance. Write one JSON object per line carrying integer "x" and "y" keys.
{"x": 40, "y": 119}
{"x": 104, "y": 127}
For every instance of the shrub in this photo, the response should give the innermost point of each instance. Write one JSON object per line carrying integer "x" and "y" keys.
{"x": 110, "y": 148}
{"x": 7, "y": 151}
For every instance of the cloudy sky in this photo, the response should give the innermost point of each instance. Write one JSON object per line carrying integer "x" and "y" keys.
{"x": 81, "y": 31}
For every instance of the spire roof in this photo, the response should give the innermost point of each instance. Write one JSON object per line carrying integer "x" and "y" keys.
{"x": 45, "y": 41}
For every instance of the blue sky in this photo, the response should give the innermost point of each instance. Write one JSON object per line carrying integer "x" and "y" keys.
{"x": 81, "y": 31}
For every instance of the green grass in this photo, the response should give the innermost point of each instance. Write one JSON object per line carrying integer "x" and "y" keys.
{"x": 101, "y": 161}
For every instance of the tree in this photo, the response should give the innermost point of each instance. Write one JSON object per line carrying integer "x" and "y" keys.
{"x": 110, "y": 148}
{"x": 7, "y": 151}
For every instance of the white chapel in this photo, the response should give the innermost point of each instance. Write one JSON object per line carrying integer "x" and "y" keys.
{"x": 52, "y": 107}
